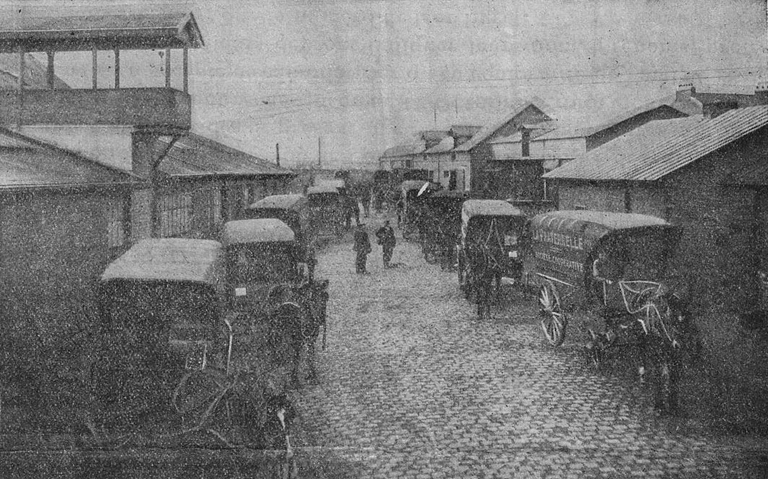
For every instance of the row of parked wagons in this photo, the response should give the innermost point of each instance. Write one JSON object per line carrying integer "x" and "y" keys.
{"x": 603, "y": 269}
{"x": 213, "y": 332}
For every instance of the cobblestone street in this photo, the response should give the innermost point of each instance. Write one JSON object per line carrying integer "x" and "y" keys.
{"x": 412, "y": 385}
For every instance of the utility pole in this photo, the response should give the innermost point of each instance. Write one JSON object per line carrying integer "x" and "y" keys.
{"x": 319, "y": 151}
{"x": 435, "y": 110}
{"x": 277, "y": 153}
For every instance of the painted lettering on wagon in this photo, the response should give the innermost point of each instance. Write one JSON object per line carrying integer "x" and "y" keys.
{"x": 559, "y": 239}
{"x": 562, "y": 262}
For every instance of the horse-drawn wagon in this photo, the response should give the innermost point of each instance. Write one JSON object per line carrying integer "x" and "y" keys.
{"x": 606, "y": 270}
{"x": 294, "y": 211}
{"x": 412, "y": 194}
{"x": 441, "y": 226}
{"x": 491, "y": 242}
{"x": 211, "y": 331}
{"x": 161, "y": 302}
{"x": 328, "y": 210}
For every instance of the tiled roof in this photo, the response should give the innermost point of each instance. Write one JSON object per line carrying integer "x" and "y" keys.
{"x": 661, "y": 147}
{"x": 488, "y": 130}
{"x": 195, "y": 155}
{"x": 26, "y": 163}
{"x": 78, "y": 29}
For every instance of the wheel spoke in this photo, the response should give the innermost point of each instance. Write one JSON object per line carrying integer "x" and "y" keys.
{"x": 553, "y": 320}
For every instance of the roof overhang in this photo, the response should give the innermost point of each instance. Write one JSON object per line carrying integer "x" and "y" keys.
{"x": 103, "y": 32}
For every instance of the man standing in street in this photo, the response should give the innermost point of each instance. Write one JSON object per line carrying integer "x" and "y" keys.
{"x": 362, "y": 247}
{"x": 386, "y": 238}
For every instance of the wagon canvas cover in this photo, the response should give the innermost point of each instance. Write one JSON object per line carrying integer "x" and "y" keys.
{"x": 281, "y": 202}
{"x": 169, "y": 259}
{"x": 265, "y": 230}
{"x": 563, "y": 241}
{"x": 487, "y": 209}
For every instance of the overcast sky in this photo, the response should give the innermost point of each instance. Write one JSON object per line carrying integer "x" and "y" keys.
{"x": 364, "y": 75}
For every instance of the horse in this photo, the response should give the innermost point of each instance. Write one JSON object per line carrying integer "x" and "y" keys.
{"x": 667, "y": 337}
{"x": 486, "y": 273}
{"x": 298, "y": 315}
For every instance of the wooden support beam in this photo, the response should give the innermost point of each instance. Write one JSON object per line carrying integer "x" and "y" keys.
{"x": 117, "y": 68}
{"x": 156, "y": 161}
{"x": 185, "y": 73}
{"x": 20, "y": 78}
{"x": 51, "y": 73}
{"x": 95, "y": 67}
{"x": 167, "y": 68}
{"x": 20, "y": 88}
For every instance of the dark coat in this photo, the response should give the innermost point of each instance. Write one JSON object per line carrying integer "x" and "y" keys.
{"x": 386, "y": 237}
{"x": 362, "y": 243}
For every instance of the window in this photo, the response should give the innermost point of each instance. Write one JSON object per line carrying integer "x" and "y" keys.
{"x": 526, "y": 142}
{"x": 175, "y": 214}
{"x": 452, "y": 180}
{"x": 117, "y": 222}
{"x": 627, "y": 201}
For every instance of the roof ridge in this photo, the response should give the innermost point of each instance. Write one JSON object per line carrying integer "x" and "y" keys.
{"x": 650, "y": 159}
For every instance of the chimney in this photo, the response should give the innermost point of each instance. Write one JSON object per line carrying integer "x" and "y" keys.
{"x": 685, "y": 92}
{"x": 761, "y": 92}
{"x": 277, "y": 154}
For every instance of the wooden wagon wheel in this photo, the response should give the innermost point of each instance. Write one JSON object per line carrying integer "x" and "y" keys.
{"x": 553, "y": 321}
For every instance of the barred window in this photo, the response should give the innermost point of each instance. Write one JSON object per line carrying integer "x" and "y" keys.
{"x": 116, "y": 223}
{"x": 175, "y": 214}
